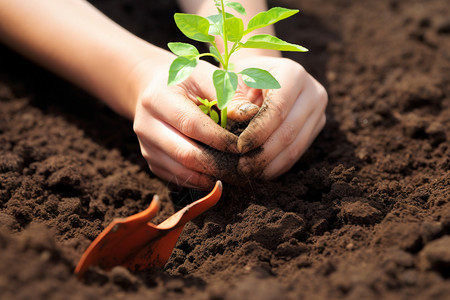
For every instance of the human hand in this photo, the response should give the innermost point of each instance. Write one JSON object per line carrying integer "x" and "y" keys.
{"x": 169, "y": 126}
{"x": 289, "y": 120}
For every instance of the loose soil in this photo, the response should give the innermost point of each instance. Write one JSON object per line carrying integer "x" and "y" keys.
{"x": 364, "y": 214}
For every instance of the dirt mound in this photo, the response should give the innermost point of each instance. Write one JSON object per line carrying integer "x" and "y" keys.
{"x": 365, "y": 214}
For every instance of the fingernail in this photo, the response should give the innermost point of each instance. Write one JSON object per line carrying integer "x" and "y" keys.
{"x": 244, "y": 145}
{"x": 249, "y": 109}
{"x": 233, "y": 148}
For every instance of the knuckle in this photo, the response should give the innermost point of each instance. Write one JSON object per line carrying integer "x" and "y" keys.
{"x": 293, "y": 153}
{"x": 278, "y": 109}
{"x": 149, "y": 158}
{"x": 190, "y": 159}
{"x": 186, "y": 124}
{"x": 183, "y": 156}
{"x": 148, "y": 101}
{"x": 297, "y": 70}
{"x": 323, "y": 97}
{"x": 138, "y": 127}
{"x": 300, "y": 70}
{"x": 323, "y": 121}
{"x": 293, "y": 66}
{"x": 287, "y": 133}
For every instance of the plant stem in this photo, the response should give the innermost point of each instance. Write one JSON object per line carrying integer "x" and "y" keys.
{"x": 208, "y": 54}
{"x": 220, "y": 58}
{"x": 223, "y": 112}
{"x": 223, "y": 117}
{"x": 225, "y": 38}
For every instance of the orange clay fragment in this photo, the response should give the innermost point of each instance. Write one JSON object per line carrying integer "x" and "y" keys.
{"x": 137, "y": 244}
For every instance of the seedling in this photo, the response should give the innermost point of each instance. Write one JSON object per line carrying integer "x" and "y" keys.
{"x": 231, "y": 30}
{"x": 207, "y": 107}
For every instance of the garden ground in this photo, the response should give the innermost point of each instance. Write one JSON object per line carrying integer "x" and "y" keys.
{"x": 364, "y": 214}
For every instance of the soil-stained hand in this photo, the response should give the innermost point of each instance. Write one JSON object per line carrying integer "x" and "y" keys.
{"x": 172, "y": 129}
{"x": 289, "y": 120}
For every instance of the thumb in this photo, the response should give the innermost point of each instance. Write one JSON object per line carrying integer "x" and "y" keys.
{"x": 241, "y": 109}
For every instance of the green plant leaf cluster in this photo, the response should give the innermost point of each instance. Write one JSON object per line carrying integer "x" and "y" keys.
{"x": 207, "y": 107}
{"x": 231, "y": 30}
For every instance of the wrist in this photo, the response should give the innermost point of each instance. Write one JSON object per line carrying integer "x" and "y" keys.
{"x": 147, "y": 64}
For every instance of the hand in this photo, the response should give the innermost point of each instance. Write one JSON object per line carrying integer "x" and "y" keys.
{"x": 289, "y": 120}
{"x": 169, "y": 126}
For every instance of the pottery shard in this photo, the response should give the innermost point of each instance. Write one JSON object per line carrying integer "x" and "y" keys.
{"x": 355, "y": 211}
{"x": 436, "y": 256}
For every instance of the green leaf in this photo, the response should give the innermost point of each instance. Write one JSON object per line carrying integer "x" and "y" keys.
{"x": 234, "y": 28}
{"x": 183, "y": 49}
{"x": 259, "y": 79}
{"x": 180, "y": 69}
{"x": 194, "y": 27}
{"x": 267, "y": 41}
{"x": 226, "y": 84}
{"x": 237, "y": 7}
{"x": 202, "y": 101}
{"x": 214, "y": 115}
{"x": 204, "y": 109}
{"x": 215, "y": 24}
{"x": 213, "y": 51}
{"x": 269, "y": 17}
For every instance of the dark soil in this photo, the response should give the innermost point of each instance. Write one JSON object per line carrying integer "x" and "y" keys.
{"x": 365, "y": 214}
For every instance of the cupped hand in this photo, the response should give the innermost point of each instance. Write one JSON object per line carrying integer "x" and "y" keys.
{"x": 289, "y": 120}
{"x": 172, "y": 130}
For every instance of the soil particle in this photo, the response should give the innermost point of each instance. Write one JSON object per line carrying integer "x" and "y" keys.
{"x": 358, "y": 211}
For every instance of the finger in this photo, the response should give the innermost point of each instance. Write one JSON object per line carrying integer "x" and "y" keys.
{"x": 275, "y": 109}
{"x": 268, "y": 166}
{"x": 241, "y": 109}
{"x": 172, "y": 172}
{"x": 286, "y": 159}
{"x": 174, "y": 145}
{"x": 307, "y": 112}
{"x": 182, "y": 114}
{"x": 244, "y": 106}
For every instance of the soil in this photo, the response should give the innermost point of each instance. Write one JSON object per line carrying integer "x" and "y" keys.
{"x": 364, "y": 214}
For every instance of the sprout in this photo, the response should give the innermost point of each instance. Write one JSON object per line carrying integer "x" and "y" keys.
{"x": 231, "y": 30}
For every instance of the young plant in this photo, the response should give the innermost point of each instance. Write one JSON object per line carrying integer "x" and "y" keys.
{"x": 207, "y": 107}
{"x": 231, "y": 30}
